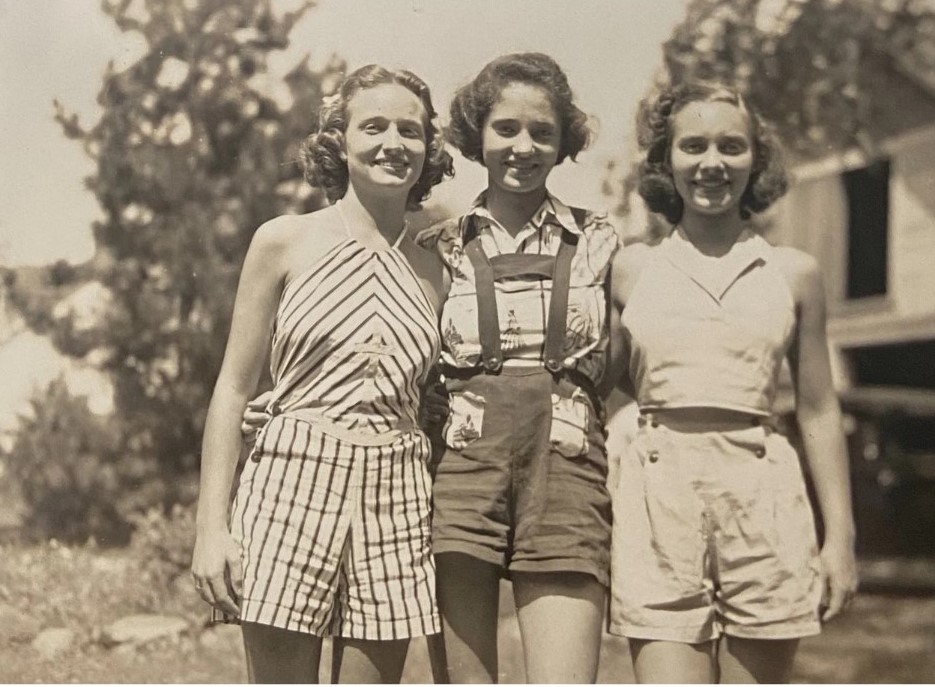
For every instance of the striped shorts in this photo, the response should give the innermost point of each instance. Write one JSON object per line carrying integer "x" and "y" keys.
{"x": 334, "y": 536}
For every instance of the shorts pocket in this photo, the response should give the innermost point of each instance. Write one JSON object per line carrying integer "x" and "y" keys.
{"x": 465, "y": 421}
{"x": 570, "y": 421}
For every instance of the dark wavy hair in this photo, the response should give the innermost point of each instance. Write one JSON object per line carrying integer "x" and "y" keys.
{"x": 472, "y": 103}
{"x": 768, "y": 178}
{"x": 323, "y": 156}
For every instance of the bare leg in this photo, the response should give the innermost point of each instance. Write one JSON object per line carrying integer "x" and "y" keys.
{"x": 437, "y": 659}
{"x": 560, "y": 619}
{"x": 673, "y": 662}
{"x": 747, "y": 661}
{"x": 363, "y": 661}
{"x": 468, "y": 598}
{"x": 275, "y": 655}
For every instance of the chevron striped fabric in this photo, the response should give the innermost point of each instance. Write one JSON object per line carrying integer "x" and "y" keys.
{"x": 335, "y": 533}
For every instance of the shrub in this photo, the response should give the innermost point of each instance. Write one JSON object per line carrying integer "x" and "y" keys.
{"x": 66, "y": 465}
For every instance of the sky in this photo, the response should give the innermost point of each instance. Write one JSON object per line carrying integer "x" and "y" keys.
{"x": 58, "y": 49}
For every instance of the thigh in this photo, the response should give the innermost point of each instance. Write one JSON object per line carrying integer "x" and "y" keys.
{"x": 361, "y": 661}
{"x": 563, "y": 509}
{"x": 388, "y": 585}
{"x": 746, "y": 661}
{"x": 560, "y": 618}
{"x": 291, "y": 518}
{"x": 468, "y": 598}
{"x": 657, "y": 662}
{"x": 767, "y": 553}
{"x": 661, "y": 588}
{"x": 275, "y": 655}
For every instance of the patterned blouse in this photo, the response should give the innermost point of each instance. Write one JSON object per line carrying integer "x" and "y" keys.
{"x": 523, "y": 306}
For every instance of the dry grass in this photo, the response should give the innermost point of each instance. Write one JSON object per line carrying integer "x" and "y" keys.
{"x": 884, "y": 639}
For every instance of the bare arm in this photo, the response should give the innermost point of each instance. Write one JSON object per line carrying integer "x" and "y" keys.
{"x": 215, "y": 564}
{"x": 625, "y": 272}
{"x": 819, "y": 418}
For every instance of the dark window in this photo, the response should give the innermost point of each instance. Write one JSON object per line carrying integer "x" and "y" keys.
{"x": 905, "y": 364}
{"x": 868, "y": 205}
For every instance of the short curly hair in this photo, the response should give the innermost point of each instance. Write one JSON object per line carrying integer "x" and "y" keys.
{"x": 323, "y": 158}
{"x": 472, "y": 103}
{"x": 768, "y": 178}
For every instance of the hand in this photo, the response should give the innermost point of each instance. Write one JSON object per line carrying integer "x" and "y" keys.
{"x": 434, "y": 409}
{"x": 838, "y": 579}
{"x": 255, "y": 416}
{"x": 217, "y": 571}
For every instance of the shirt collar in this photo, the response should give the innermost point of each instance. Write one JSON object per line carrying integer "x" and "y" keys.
{"x": 552, "y": 210}
{"x": 749, "y": 245}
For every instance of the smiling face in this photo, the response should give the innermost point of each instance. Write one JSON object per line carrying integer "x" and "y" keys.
{"x": 521, "y": 139}
{"x": 385, "y": 140}
{"x": 711, "y": 156}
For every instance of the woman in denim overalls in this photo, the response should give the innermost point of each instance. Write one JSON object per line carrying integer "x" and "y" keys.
{"x": 520, "y": 482}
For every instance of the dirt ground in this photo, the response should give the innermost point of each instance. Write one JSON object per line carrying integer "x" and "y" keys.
{"x": 884, "y": 639}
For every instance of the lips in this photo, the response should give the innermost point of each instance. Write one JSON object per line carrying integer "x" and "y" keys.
{"x": 712, "y": 185}
{"x": 392, "y": 165}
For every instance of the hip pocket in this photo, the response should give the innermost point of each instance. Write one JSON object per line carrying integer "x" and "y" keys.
{"x": 571, "y": 418}
{"x": 465, "y": 421}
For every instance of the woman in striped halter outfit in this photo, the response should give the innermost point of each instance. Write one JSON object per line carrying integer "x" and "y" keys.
{"x": 329, "y": 533}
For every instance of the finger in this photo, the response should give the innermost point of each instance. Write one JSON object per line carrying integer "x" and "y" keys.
{"x": 248, "y": 431}
{"x": 835, "y": 604}
{"x": 235, "y": 569}
{"x": 222, "y": 598}
{"x": 202, "y": 589}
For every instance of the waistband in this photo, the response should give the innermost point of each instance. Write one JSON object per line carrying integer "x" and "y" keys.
{"x": 690, "y": 420}
{"x": 507, "y": 370}
{"x": 351, "y": 436}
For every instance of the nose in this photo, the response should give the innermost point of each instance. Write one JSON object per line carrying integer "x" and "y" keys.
{"x": 392, "y": 140}
{"x": 523, "y": 143}
{"x": 712, "y": 159}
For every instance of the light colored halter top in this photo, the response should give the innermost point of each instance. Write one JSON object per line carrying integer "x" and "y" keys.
{"x": 697, "y": 344}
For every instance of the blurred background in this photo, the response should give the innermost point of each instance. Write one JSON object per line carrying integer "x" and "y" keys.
{"x": 143, "y": 141}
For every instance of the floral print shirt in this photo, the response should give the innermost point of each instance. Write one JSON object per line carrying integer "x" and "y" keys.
{"x": 523, "y": 306}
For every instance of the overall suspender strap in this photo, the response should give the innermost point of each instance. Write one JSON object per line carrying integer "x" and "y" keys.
{"x": 486, "y": 273}
{"x": 558, "y": 304}
{"x": 488, "y": 321}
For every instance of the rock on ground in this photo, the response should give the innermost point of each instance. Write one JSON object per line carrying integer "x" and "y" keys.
{"x": 53, "y": 641}
{"x": 138, "y": 629}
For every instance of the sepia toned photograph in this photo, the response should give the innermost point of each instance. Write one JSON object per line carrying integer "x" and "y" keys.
{"x": 467, "y": 341}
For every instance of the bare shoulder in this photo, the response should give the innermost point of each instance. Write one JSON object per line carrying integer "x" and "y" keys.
{"x": 801, "y": 271}
{"x": 628, "y": 266}
{"x": 429, "y": 268}
{"x": 304, "y": 239}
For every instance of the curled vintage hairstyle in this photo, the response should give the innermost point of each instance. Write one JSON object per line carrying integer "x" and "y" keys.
{"x": 472, "y": 103}
{"x": 323, "y": 155}
{"x": 768, "y": 179}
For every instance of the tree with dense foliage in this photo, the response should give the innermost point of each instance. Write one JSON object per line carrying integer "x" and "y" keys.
{"x": 821, "y": 71}
{"x": 196, "y": 147}
{"x": 810, "y": 66}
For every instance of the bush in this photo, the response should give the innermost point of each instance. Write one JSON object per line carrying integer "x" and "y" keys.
{"x": 66, "y": 465}
{"x": 162, "y": 542}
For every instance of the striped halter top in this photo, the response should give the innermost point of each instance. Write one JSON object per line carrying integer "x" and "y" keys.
{"x": 353, "y": 339}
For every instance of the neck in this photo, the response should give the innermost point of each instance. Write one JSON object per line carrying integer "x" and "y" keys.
{"x": 513, "y": 210}
{"x": 374, "y": 217}
{"x": 712, "y": 234}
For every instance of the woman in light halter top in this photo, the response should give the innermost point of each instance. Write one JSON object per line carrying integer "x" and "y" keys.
{"x": 716, "y": 569}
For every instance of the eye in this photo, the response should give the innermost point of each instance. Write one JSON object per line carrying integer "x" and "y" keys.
{"x": 693, "y": 146}
{"x": 372, "y": 128}
{"x": 733, "y": 146}
{"x": 543, "y": 134}
{"x": 411, "y": 132}
{"x": 505, "y": 129}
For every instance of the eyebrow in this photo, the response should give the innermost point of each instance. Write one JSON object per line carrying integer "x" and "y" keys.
{"x": 383, "y": 118}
